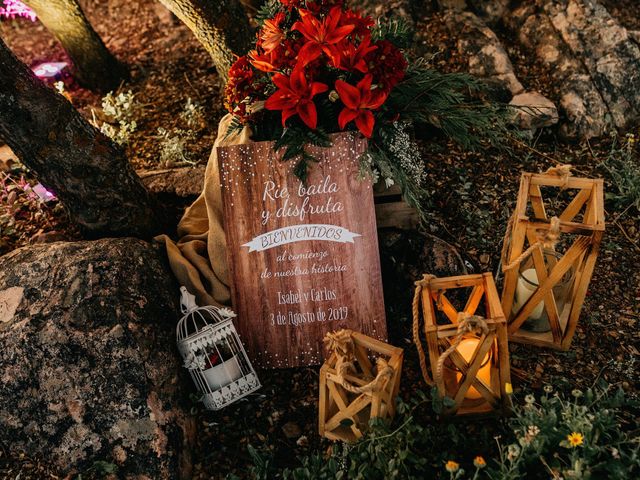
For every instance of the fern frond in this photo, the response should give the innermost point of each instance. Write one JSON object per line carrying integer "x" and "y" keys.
{"x": 267, "y": 10}
{"x": 235, "y": 127}
{"x": 395, "y": 30}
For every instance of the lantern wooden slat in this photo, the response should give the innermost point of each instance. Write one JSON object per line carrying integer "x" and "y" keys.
{"x": 441, "y": 331}
{"x": 581, "y": 239}
{"x": 344, "y": 415}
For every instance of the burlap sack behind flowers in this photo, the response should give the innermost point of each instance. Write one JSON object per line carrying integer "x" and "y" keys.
{"x": 199, "y": 259}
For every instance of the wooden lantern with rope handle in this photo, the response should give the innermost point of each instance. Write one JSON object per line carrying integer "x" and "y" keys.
{"x": 557, "y": 283}
{"x": 354, "y": 388}
{"x": 468, "y": 354}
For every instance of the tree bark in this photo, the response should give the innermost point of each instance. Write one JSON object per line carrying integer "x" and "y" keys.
{"x": 221, "y": 26}
{"x": 95, "y": 67}
{"x": 89, "y": 174}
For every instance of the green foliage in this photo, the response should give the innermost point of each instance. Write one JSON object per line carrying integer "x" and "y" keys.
{"x": 382, "y": 454}
{"x": 451, "y": 102}
{"x": 234, "y": 128}
{"x": 623, "y": 167}
{"x": 543, "y": 430}
{"x": 268, "y": 10}
{"x": 104, "y": 468}
{"x": 294, "y": 141}
{"x": 536, "y": 439}
{"x": 99, "y": 469}
{"x": 395, "y": 30}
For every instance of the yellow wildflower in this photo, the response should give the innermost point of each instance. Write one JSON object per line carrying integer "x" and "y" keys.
{"x": 479, "y": 462}
{"x": 452, "y": 467}
{"x": 575, "y": 439}
{"x": 508, "y": 388}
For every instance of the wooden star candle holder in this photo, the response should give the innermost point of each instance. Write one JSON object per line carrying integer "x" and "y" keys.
{"x": 549, "y": 254}
{"x": 468, "y": 354}
{"x": 353, "y": 387}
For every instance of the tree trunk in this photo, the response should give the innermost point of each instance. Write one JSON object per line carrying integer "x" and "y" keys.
{"x": 221, "y": 26}
{"x": 95, "y": 66}
{"x": 89, "y": 174}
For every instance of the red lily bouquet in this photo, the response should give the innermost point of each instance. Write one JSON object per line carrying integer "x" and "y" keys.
{"x": 305, "y": 52}
{"x": 319, "y": 67}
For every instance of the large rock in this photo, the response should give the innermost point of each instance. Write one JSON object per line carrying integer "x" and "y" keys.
{"x": 590, "y": 56}
{"x": 181, "y": 182}
{"x": 603, "y": 46}
{"x": 533, "y": 110}
{"x": 484, "y": 50}
{"x": 89, "y": 371}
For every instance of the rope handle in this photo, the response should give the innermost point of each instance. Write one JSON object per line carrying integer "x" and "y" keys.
{"x": 385, "y": 371}
{"x": 420, "y": 284}
{"x": 548, "y": 239}
{"x": 467, "y": 324}
{"x": 341, "y": 343}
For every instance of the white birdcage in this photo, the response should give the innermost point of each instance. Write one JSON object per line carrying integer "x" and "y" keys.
{"x": 213, "y": 353}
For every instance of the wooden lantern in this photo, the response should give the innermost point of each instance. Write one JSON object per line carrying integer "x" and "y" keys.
{"x": 468, "y": 353}
{"x": 352, "y": 389}
{"x": 561, "y": 252}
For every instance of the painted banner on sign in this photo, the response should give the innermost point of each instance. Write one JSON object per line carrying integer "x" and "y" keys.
{"x": 300, "y": 233}
{"x": 303, "y": 257}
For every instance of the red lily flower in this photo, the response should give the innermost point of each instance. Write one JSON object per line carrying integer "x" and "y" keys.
{"x": 271, "y": 34}
{"x": 359, "y": 101}
{"x": 320, "y": 35}
{"x": 266, "y": 62}
{"x": 295, "y": 95}
{"x": 362, "y": 23}
{"x": 352, "y": 58}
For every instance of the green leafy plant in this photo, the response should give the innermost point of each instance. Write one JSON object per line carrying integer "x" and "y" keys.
{"x": 623, "y": 168}
{"x": 550, "y": 437}
{"x": 577, "y": 437}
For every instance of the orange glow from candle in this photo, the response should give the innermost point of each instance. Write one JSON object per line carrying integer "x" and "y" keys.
{"x": 466, "y": 349}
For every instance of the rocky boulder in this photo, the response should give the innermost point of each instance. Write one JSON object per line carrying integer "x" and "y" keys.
{"x": 89, "y": 369}
{"x": 593, "y": 59}
{"x": 532, "y": 111}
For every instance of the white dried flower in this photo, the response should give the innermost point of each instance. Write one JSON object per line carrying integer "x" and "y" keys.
{"x": 192, "y": 113}
{"x": 407, "y": 153}
{"x": 513, "y": 451}
{"x": 226, "y": 312}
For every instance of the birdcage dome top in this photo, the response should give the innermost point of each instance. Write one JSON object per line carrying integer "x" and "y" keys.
{"x": 196, "y": 319}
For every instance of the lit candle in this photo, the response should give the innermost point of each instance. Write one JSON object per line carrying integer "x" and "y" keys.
{"x": 466, "y": 348}
{"x": 527, "y": 285}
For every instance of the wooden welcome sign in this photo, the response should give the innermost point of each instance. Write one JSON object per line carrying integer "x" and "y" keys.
{"x": 303, "y": 256}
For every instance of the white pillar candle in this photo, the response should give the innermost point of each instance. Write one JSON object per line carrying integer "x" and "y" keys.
{"x": 525, "y": 289}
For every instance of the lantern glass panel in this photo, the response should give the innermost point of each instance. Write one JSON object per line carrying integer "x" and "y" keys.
{"x": 538, "y": 320}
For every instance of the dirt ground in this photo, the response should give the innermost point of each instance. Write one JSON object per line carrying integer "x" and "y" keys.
{"x": 472, "y": 195}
